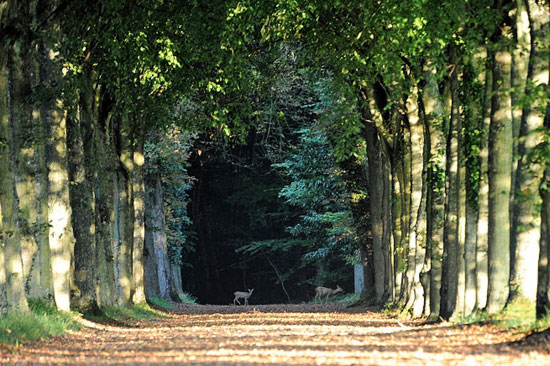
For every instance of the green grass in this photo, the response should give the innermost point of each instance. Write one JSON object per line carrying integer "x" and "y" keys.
{"x": 519, "y": 315}
{"x": 125, "y": 314}
{"x": 43, "y": 321}
{"x": 160, "y": 303}
{"x": 167, "y": 305}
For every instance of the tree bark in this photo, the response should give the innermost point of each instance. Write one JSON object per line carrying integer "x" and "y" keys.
{"x": 138, "y": 189}
{"x": 378, "y": 183}
{"x": 12, "y": 297}
{"x": 527, "y": 228}
{"x": 123, "y": 211}
{"x": 453, "y": 251}
{"x": 157, "y": 266}
{"x": 483, "y": 194}
{"x": 500, "y": 172}
{"x": 417, "y": 231}
{"x": 436, "y": 137}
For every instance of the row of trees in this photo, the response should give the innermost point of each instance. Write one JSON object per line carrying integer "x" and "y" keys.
{"x": 452, "y": 106}
{"x": 83, "y": 88}
{"x": 437, "y": 115}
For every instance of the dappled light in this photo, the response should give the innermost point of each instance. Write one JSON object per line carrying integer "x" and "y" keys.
{"x": 280, "y": 335}
{"x": 269, "y": 173}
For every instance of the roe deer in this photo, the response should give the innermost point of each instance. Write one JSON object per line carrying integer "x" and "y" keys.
{"x": 324, "y": 291}
{"x": 242, "y": 295}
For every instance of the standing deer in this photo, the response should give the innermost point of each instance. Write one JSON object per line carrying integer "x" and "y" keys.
{"x": 242, "y": 295}
{"x": 324, "y": 291}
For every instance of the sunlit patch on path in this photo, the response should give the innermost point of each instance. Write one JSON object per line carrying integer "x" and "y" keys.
{"x": 279, "y": 335}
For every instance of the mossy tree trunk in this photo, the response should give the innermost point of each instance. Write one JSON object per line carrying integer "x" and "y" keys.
{"x": 12, "y": 297}
{"x": 436, "y": 138}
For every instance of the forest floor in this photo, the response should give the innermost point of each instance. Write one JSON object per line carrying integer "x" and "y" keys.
{"x": 323, "y": 334}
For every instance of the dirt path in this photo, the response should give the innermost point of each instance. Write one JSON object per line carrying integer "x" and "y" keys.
{"x": 281, "y": 335}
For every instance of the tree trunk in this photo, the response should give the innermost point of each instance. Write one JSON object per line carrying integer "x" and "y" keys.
{"x": 12, "y": 290}
{"x": 436, "y": 137}
{"x": 378, "y": 183}
{"x": 157, "y": 281}
{"x": 417, "y": 231}
{"x": 543, "y": 284}
{"x": 527, "y": 216}
{"x": 453, "y": 251}
{"x": 123, "y": 211}
{"x": 500, "y": 172}
{"x": 104, "y": 182}
{"x": 79, "y": 139}
{"x": 138, "y": 189}
{"x": 483, "y": 194}
{"x": 540, "y": 13}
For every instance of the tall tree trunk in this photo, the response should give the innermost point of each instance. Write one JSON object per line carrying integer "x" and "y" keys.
{"x": 378, "y": 183}
{"x": 453, "y": 251}
{"x": 379, "y": 193}
{"x": 417, "y": 231}
{"x": 527, "y": 217}
{"x": 540, "y": 13}
{"x": 157, "y": 265}
{"x": 104, "y": 180}
{"x": 138, "y": 189}
{"x": 12, "y": 297}
{"x": 472, "y": 140}
{"x": 82, "y": 202}
{"x": 123, "y": 211}
{"x": 79, "y": 139}
{"x": 500, "y": 172}
{"x": 436, "y": 137}
{"x": 482, "y": 269}
{"x": 543, "y": 283}
{"x": 43, "y": 256}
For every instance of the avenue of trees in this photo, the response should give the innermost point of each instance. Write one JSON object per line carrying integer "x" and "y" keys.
{"x": 410, "y": 136}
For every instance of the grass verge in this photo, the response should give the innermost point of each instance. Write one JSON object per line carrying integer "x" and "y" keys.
{"x": 124, "y": 315}
{"x": 43, "y": 321}
{"x": 518, "y": 316}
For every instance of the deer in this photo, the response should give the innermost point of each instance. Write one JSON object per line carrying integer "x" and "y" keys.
{"x": 321, "y": 291}
{"x": 242, "y": 295}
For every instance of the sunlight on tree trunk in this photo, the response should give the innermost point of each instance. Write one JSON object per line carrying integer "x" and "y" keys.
{"x": 483, "y": 194}
{"x": 436, "y": 131}
{"x": 500, "y": 165}
{"x": 528, "y": 177}
{"x": 138, "y": 189}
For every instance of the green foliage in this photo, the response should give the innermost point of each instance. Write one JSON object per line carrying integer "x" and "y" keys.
{"x": 317, "y": 189}
{"x": 324, "y": 230}
{"x": 43, "y": 321}
{"x": 167, "y": 155}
